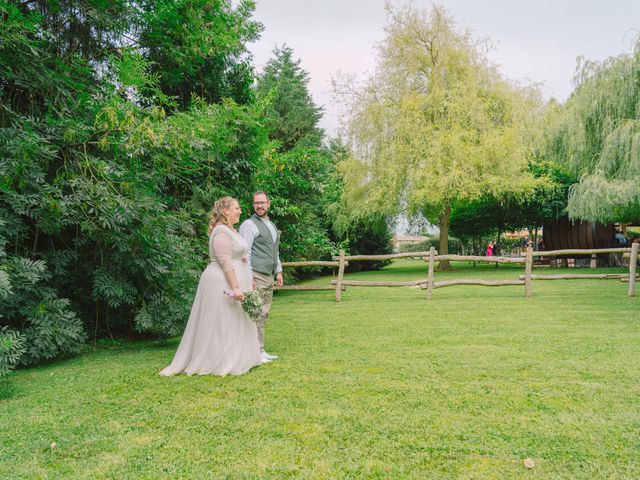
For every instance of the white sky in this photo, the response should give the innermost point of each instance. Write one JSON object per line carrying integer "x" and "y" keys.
{"x": 536, "y": 41}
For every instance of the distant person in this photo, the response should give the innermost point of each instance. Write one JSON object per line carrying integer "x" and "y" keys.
{"x": 621, "y": 240}
{"x": 490, "y": 249}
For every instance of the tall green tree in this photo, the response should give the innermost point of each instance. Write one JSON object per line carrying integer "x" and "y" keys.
{"x": 199, "y": 47}
{"x": 296, "y": 171}
{"x": 300, "y": 172}
{"x": 599, "y": 139}
{"x": 106, "y": 172}
{"x": 489, "y": 215}
{"x": 434, "y": 124}
{"x": 291, "y": 114}
{"x": 370, "y": 235}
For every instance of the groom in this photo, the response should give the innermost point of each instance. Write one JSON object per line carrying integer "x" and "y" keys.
{"x": 263, "y": 239}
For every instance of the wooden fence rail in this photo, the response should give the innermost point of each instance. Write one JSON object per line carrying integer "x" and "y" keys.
{"x": 365, "y": 283}
{"x": 478, "y": 258}
{"x": 577, "y": 276}
{"x": 316, "y": 263}
{"x": 475, "y": 281}
{"x": 312, "y": 263}
{"x": 390, "y": 256}
{"x": 342, "y": 260}
{"x": 568, "y": 253}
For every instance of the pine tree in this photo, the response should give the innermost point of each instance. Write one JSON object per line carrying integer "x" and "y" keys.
{"x": 292, "y": 116}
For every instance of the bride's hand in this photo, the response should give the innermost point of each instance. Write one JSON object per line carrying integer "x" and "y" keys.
{"x": 238, "y": 295}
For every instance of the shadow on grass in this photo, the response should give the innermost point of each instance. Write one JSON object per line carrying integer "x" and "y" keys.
{"x": 7, "y": 388}
{"x": 132, "y": 344}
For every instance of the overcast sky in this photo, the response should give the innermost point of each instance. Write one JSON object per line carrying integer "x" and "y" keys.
{"x": 536, "y": 41}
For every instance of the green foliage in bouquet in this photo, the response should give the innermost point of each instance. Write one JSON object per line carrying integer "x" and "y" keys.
{"x": 252, "y": 305}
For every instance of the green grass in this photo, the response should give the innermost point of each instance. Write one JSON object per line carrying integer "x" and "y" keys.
{"x": 383, "y": 385}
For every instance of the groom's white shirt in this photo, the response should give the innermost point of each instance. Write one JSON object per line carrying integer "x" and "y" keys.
{"x": 249, "y": 232}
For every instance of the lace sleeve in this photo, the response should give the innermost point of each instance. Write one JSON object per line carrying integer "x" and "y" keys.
{"x": 222, "y": 250}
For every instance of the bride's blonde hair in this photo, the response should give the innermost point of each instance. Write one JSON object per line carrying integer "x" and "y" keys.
{"x": 217, "y": 214}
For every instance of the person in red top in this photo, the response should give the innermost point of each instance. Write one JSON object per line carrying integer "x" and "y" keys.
{"x": 490, "y": 249}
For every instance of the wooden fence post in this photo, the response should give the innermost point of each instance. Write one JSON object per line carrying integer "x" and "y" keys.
{"x": 593, "y": 263}
{"x": 633, "y": 261}
{"x": 340, "y": 277}
{"x": 432, "y": 254}
{"x": 527, "y": 272}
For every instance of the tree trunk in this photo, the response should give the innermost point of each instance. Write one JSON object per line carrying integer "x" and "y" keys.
{"x": 444, "y": 265}
{"x": 496, "y": 246}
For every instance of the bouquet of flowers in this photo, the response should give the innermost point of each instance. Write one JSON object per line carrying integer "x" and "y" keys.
{"x": 251, "y": 304}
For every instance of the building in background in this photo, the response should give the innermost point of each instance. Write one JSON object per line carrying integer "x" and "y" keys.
{"x": 398, "y": 240}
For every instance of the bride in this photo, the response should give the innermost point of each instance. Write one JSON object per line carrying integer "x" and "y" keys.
{"x": 219, "y": 338}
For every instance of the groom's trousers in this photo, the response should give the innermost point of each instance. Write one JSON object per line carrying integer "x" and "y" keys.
{"x": 264, "y": 285}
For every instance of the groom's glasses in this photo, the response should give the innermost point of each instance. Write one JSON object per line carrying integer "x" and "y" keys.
{"x": 260, "y": 203}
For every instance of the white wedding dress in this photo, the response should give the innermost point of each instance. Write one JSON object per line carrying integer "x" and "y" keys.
{"x": 219, "y": 338}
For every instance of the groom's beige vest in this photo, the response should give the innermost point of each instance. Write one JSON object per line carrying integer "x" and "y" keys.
{"x": 264, "y": 251}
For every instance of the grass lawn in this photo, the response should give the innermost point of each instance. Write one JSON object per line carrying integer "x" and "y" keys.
{"x": 382, "y": 385}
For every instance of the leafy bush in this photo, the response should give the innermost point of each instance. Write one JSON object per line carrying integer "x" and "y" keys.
{"x": 111, "y": 158}
{"x": 509, "y": 244}
{"x": 12, "y": 347}
{"x": 370, "y": 238}
{"x": 41, "y": 322}
{"x": 105, "y": 179}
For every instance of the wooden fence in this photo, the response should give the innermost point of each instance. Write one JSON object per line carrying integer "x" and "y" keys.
{"x": 527, "y": 258}
{"x": 341, "y": 264}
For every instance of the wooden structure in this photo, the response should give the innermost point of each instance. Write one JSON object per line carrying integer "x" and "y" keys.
{"x": 341, "y": 261}
{"x": 632, "y": 252}
{"x": 318, "y": 263}
{"x": 565, "y": 235}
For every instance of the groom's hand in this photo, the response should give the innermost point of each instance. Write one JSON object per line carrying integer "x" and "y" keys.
{"x": 279, "y": 280}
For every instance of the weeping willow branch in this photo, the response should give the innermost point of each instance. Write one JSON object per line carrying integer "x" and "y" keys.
{"x": 599, "y": 139}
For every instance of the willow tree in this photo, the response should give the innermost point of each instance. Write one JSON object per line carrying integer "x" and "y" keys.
{"x": 434, "y": 123}
{"x": 599, "y": 139}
